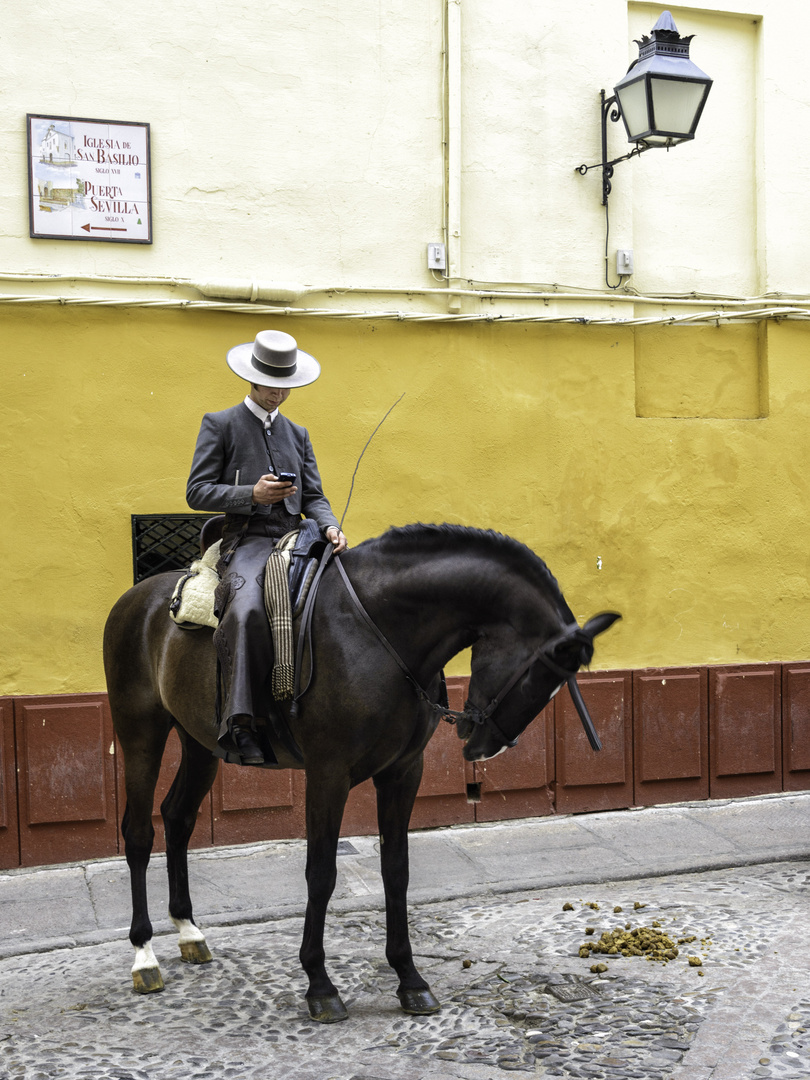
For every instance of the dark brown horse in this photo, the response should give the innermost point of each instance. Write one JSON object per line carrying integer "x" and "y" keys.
{"x": 431, "y": 591}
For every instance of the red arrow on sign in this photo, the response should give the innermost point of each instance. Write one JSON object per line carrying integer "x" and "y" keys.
{"x": 102, "y": 228}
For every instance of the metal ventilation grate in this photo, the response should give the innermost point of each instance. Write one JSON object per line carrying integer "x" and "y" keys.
{"x": 165, "y": 542}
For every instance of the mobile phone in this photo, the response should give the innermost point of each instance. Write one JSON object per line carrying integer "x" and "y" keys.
{"x": 287, "y": 477}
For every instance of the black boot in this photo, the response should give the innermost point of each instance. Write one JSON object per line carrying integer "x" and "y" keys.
{"x": 246, "y": 745}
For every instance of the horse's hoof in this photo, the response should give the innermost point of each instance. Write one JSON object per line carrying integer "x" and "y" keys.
{"x": 147, "y": 980}
{"x": 146, "y": 977}
{"x": 418, "y": 1002}
{"x": 195, "y": 952}
{"x": 328, "y": 1009}
{"x": 193, "y": 947}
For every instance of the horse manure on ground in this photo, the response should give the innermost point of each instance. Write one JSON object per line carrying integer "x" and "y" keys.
{"x": 651, "y": 942}
{"x": 642, "y": 941}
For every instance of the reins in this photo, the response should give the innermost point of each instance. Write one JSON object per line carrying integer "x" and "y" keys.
{"x": 471, "y": 712}
{"x": 423, "y": 694}
{"x": 305, "y": 633}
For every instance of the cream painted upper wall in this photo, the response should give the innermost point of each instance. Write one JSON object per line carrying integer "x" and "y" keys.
{"x": 292, "y": 141}
{"x": 304, "y": 143}
{"x": 532, "y": 75}
{"x": 699, "y": 201}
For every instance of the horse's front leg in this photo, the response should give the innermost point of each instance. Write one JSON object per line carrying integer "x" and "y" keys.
{"x": 326, "y": 800}
{"x": 396, "y": 792}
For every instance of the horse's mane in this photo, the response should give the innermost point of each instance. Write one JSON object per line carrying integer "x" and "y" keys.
{"x": 424, "y": 539}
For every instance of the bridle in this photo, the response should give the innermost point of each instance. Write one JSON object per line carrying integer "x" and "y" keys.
{"x": 484, "y": 717}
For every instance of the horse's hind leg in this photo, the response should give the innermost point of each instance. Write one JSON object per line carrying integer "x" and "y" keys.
{"x": 396, "y": 792}
{"x": 142, "y": 757}
{"x": 192, "y": 783}
{"x": 326, "y": 799}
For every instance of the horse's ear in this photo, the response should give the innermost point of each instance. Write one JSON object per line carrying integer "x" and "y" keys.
{"x": 599, "y": 623}
{"x": 575, "y": 648}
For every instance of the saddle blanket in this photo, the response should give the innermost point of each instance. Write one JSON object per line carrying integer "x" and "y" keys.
{"x": 192, "y": 603}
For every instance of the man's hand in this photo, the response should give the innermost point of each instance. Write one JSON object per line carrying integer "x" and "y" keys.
{"x": 269, "y": 489}
{"x": 336, "y": 537}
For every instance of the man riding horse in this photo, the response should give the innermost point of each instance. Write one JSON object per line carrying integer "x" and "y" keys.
{"x": 258, "y": 468}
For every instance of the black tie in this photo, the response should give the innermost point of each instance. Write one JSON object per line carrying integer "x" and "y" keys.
{"x": 268, "y": 426}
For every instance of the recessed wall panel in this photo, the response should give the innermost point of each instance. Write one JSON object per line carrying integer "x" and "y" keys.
{"x": 588, "y": 779}
{"x": 66, "y": 770}
{"x": 796, "y": 727}
{"x": 9, "y": 826}
{"x": 745, "y": 730}
{"x": 671, "y": 735}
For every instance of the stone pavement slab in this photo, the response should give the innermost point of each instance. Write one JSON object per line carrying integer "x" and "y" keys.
{"x": 43, "y": 905}
{"x": 777, "y": 824}
{"x": 43, "y": 908}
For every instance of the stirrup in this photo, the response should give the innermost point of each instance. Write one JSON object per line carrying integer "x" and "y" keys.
{"x": 246, "y": 743}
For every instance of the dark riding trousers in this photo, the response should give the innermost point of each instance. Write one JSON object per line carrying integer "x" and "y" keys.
{"x": 243, "y": 640}
{"x": 233, "y": 452}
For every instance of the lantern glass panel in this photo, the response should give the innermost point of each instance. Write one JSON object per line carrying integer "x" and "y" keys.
{"x": 675, "y": 104}
{"x": 633, "y": 103}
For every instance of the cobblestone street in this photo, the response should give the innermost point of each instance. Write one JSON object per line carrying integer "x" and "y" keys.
{"x": 517, "y": 996}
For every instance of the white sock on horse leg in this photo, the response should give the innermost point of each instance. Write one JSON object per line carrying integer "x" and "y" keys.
{"x": 187, "y": 931}
{"x": 146, "y": 977}
{"x": 144, "y": 958}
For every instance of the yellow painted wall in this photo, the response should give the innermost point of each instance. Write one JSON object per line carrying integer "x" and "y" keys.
{"x": 699, "y": 524}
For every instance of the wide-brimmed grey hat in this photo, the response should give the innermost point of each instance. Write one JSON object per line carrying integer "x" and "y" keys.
{"x": 273, "y": 359}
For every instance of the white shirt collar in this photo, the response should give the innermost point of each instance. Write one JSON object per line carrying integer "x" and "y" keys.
{"x": 257, "y": 410}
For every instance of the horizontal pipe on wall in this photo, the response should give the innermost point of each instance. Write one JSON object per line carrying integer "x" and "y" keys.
{"x": 250, "y": 290}
{"x": 716, "y": 316}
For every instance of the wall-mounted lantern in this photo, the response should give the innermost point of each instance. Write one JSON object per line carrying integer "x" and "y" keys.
{"x": 660, "y": 99}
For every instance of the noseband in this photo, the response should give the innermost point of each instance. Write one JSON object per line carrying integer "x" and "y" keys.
{"x": 472, "y": 713}
{"x": 484, "y": 716}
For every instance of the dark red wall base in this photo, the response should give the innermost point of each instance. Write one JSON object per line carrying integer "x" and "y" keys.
{"x": 668, "y": 734}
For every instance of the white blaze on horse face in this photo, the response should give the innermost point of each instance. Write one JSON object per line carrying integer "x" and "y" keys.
{"x": 144, "y": 958}
{"x": 488, "y": 757}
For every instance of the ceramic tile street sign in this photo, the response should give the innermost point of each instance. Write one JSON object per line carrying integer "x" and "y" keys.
{"x": 89, "y": 179}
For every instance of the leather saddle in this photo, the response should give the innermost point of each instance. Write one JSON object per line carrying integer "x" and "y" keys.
{"x": 304, "y": 559}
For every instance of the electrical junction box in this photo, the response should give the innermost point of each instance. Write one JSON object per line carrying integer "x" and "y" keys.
{"x": 437, "y": 259}
{"x": 624, "y": 262}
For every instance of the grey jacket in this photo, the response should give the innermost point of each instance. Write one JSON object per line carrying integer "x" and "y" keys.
{"x": 233, "y": 442}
